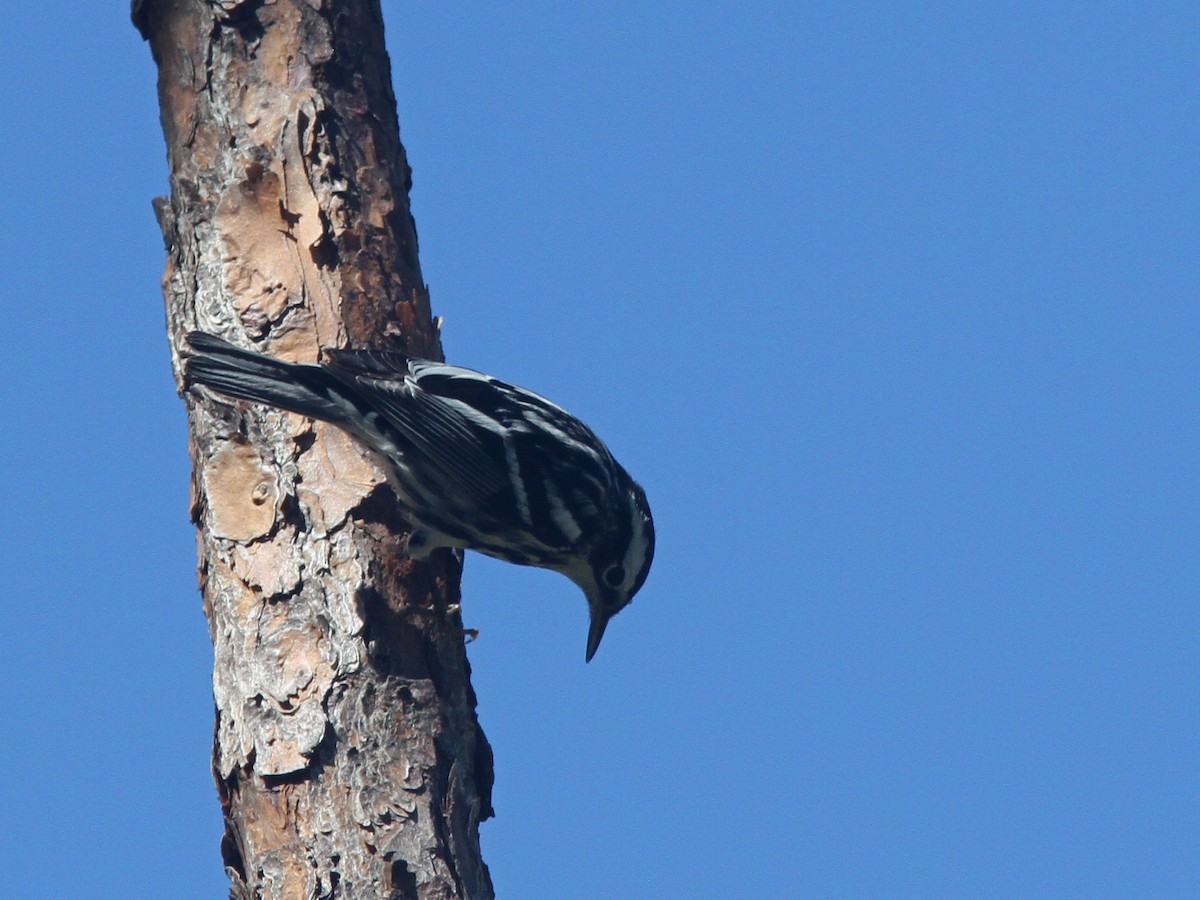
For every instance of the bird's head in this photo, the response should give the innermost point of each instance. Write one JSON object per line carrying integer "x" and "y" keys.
{"x": 617, "y": 564}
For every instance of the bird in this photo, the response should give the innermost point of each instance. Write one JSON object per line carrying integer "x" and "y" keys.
{"x": 478, "y": 463}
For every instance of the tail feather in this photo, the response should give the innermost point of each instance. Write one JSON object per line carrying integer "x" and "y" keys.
{"x": 246, "y": 375}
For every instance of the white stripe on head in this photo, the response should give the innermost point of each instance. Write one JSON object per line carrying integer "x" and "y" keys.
{"x": 635, "y": 554}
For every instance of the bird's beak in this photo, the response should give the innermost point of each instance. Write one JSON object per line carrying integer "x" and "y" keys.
{"x": 596, "y": 631}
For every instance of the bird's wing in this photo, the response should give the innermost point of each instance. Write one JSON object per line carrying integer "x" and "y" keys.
{"x": 560, "y": 462}
{"x": 462, "y": 443}
{"x": 507, "y": 447}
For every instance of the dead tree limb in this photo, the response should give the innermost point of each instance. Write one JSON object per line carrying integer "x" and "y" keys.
{"x": 348, "y": 755}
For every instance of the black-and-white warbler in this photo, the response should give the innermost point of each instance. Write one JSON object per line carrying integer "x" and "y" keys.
{"x": 477, "y": 462}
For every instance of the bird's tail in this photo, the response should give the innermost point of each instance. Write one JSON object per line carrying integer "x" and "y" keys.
{"x": 246, "y": 375}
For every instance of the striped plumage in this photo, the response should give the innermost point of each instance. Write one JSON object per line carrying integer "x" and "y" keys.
{"x": 477, "y": 462}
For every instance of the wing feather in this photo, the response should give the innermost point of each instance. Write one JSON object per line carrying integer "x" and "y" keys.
{"x": 464, "y": 450}
{"x": 500, "y": 444}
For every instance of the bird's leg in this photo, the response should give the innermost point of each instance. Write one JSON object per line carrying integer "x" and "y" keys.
{"x": 469, "y": 634}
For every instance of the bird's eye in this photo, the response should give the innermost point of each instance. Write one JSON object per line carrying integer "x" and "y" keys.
{"x": 614, "y": 576}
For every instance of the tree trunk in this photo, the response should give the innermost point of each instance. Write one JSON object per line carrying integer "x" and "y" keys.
{"x": 348, "y": 755}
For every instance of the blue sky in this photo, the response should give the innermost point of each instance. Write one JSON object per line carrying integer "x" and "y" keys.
{"x": 892, "y": 307}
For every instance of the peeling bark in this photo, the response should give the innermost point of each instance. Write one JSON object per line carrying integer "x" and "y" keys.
{"x": 348, "y": 755}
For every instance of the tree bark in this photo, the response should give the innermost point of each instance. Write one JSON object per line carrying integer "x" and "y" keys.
{"x": 348, "y": 756}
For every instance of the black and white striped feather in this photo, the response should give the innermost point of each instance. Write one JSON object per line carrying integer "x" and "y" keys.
{"x": 479, "y": 463}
